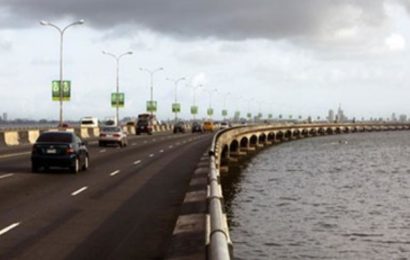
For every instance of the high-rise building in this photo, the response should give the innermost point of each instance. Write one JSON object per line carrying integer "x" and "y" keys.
{"x": 331, "y": 116}
{"x": 403, "y": 118}
{"x": 4, "y": 116}
{"x": 393, "y": 117}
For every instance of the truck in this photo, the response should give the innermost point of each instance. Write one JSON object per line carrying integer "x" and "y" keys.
{"x": 89, "y": 122}
{"x": 145, "y": 123}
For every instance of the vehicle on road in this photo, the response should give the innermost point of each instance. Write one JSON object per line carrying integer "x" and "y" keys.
{"x": 224, "y": 125}
{"x": 208, "y": 126}
{"x": 89, "y": 122}
{"x": 112, "y": 135}
{"x": 196, "y": 127}
{"x": 59, "y": 149}
{"x": 145, "y": 124}
{"x": 179, "y": 127}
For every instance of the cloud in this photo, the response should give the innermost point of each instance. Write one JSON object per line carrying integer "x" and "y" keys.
{"x": 314, "y": 20}
{"x": 395, "y": 42}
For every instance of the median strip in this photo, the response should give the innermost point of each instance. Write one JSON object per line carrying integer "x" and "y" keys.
{"x": 75, "y": 193}
{"x": 6, "y": 175}
{"x": 7, "y": 229}
{"x": 114, "y": 173}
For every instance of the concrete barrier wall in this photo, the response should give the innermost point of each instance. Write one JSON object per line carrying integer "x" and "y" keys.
{"x": 96, "y": 132}
{"x": 33, "y": 135}
{"x": 23, "y": 137}
{"x": 11, "y": 138}
{"x": 84, "y": 133}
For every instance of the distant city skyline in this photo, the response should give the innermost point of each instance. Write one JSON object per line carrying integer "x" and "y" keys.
{"x": 274, "y": 58}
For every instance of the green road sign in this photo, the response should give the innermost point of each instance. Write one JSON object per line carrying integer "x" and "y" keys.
{"x": 117, "y": 99}
{"x": 176, "y": 107}
{"x": 224, "y": 112}
{"x": 56, "y": 90}
{"x": 249, "y": 115}
{"x": 210, "y": 111}
{"x": 237, "y": 114}
{"x": 260, "y": 115}
{"x": 151, "y": 106}
{"x": 194, "y": 110}
{"x": 270, "y": 116}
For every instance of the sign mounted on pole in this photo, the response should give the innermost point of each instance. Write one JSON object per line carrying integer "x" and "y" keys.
{"x": 224, "y": 112}
{"x": 117, "y": 99}
{"x": 249, "y": 115}
{"x": 237, "y": 114}
{"x": 176, "y": 107}
{"x": 270, "y": 116}
{"x": 66, "y": 89}
{"x": 151, "y": 106}
{"x": 210, "y": 111}
{"x": 194, "y": 110}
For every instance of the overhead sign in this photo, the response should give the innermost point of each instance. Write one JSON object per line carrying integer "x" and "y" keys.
{"x": 176, "y": 107}
{"x": 117, "y": 99}
{"x": 270, "y": 116}
{"x": 260, "y": 115}
{"x": 151, "y": 106}
{"x": 194, "y": 110}
{"x": 237, "y": 114}
{"x": 224, "y": 112}
{"x": 57, "y": 89}
{"x": 249, "y": 115}
{"x": 210, "y": 111}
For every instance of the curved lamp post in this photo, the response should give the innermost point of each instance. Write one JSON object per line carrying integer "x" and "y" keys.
{"x": 176, "y": 81}
{"x": 117, "y": 60}
{"x": 151, "y": 73}
{"x": 61, "y": 31}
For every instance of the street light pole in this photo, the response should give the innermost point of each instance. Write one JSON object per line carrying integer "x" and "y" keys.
{"x": 226, "y": 95}
{"x": 151, "y": 73}
{"x": 210, "y": 98}
{"x": 194, "y": 96}
{"x": 176, "y": 81}
{"x": 117, "y": 60}
{"x": 61, "y": 31}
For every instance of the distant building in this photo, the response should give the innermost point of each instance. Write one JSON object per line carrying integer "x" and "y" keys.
{"x": 403, "y": 118}
{"x": 331, "y": 116}
{"x": 393, "y": 117}
{"x": 4, "y": 117}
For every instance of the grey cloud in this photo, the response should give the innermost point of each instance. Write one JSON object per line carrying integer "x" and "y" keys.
{"x": 227, "y": 19}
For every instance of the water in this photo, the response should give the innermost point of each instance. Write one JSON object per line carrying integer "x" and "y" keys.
{"x": 334, "y": 197}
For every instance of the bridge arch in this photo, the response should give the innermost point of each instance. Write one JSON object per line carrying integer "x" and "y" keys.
{"x": 271, "y": 137}
{"x": 244, "y": 142}
{"x": 234, "y": 146}
{"x": 262, "y": 138}
{"x": 225, "y": 155}
{"x": 253, "y": 140}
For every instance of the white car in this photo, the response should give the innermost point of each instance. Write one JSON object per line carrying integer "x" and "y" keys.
{"x": 112, "y": 135}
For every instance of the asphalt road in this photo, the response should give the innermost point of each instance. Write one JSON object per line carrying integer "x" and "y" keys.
{"x": 124, "y": 207}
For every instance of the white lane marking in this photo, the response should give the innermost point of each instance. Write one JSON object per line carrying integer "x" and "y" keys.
{"x": 161, "y": 151}
{"x": 79, "y": 191}
{"x": 178, "y": 143}
{"x": 114, "y": 173}
{"x": 134, "y": 144}
{"x": 103, "y": 151}
{"x": 154, "y": 140}
{"x": 145, "y": 141}
{"x": 13, "y": 155}
{"x": 151, "y": 155}
{"x": 170, "y": 147}
{"x": 137, "y": 162}
{"x": 7, "y": 229}
{"x": 6, "y": 175}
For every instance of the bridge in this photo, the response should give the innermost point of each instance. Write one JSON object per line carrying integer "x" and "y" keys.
{"x": 158, "y": 198}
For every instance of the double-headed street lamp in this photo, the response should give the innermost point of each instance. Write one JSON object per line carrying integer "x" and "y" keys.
{"x": 224, "y": 111}
{"x": 61, "y": 31}
{"x": 210, "y": 111}
{"x": 117, "y": 59}
{"x": 151, "y": 107}
{"x": 194, "y": 108}
{"x": 176, "y": 107}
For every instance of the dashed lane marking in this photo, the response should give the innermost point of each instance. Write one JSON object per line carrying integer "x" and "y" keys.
{"x": 151, "y": 155}
{"x": 170, "y": 147}
{"x": 137, "y": 162}
{"x": 103, "y": 151}
{"x": 115, "y": 173}
{"x": 75, "y": 193}
{"x": 145, "y": 141}
{"x": 8, "y": 228}
{"x": 13, "y": 155}
{"x": 134, "y": 144}
{"x": 6, "y": 175}
{"x": 161, "y": 151}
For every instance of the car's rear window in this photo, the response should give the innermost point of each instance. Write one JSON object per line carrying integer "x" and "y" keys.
{"x": 111, "y": 129}
{"x": 55, "y": 138}
{"x": 87, "y": 122}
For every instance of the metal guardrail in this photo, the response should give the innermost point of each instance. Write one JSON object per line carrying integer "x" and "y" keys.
{"x": 219, "y": 240}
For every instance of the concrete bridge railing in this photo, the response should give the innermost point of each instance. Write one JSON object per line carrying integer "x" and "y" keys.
{"x": 13, "y": 137}
{"x": 230, "y": 144}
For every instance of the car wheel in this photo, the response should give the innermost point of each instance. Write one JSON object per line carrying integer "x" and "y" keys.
{"x": 86, "y": 163}
{"x": 76, "y": 167}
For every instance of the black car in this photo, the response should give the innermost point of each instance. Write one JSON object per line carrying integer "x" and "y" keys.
{"x": 196, "y": 127}
{"x": 59, "y": 149}
{"x": 144, "y": 126}
{"x": 179, "y": 127}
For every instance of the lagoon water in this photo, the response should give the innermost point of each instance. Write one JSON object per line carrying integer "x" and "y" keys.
{"x": 333, "y": 197}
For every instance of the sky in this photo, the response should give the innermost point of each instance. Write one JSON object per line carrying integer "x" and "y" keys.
{"x": 287, "y": 57}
